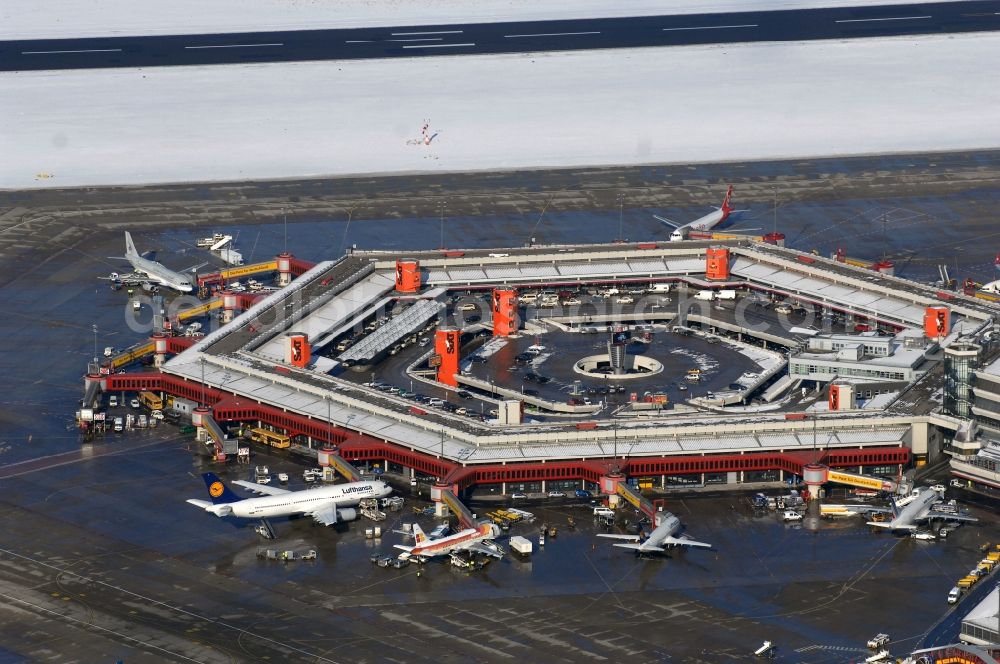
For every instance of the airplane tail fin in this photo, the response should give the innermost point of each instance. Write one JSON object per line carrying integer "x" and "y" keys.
{"x": 895, "y": 508}
{"x": 130, "y": 251}
{"x": 218, "y": 491}
{"x": 727, "y": 201}
{"x": 419, "y": 537}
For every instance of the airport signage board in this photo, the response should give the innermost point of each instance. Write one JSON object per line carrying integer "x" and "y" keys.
{"x": 619, "y": 337}
{"x": 846, "y": 478}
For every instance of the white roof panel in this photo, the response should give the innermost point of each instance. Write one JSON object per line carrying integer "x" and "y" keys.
{"x": 835, "y": 292}
{"x": 648, "y": 265}
{"x": 466, "y": 274}
{"x": 538, "y": 270}
{"x": 685, "y": 264}
{"x": 756, "y": 271}
{"x": 809, "y": 285}
{"x": 437, "y": 276}
{"x": 503, "y": 272}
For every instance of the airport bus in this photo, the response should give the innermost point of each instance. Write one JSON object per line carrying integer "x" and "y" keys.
{"x": 151, "y": 400}
{"x": 271, "y": 438}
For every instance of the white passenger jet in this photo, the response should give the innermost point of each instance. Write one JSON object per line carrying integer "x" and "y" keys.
{"x": 326, "y": 505}
{"x": 147, "y": 271}
{"x": 470, "y": 539}
{"x": 663, "y": 535}
{"x": 703, "y": 224}
{"x": 926, "y": 506}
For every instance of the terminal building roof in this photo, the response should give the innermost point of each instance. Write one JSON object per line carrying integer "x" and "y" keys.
{"x": 246, "y": 357}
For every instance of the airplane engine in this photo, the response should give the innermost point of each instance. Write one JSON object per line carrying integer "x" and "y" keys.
{"x": 347, "y": 514}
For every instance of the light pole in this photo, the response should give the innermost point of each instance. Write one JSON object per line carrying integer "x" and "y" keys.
{"x": 621, "y": 214}
{"x": 441, "y": 206}
{"x": 814, "y": 432}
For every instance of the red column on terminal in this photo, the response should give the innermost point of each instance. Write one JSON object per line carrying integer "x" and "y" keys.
{"x": 446, "y": 347}
{"x": 505, "y": 320}
{"x": 407, "y": 276}
{"x": 937, "y": 322}
{"x": 717, "y": 263}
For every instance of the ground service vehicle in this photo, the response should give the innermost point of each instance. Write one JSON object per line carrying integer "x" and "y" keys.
{"x": 954, "y": 595}
{"x": 878, "y": 641}
{"x": 279, "y": 440}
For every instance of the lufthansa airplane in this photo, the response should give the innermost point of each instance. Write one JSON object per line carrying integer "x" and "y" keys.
{"x": 326, "y": 505}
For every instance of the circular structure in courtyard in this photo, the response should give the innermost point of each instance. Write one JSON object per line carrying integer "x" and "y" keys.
{"x": 635, "y": 366}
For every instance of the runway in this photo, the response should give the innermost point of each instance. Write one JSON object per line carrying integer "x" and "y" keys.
{"x": 493, "y": 38}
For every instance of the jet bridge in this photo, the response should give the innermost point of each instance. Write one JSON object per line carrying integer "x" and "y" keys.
{"x": 443, "y": 493}
{"x": 329, "y": 457}
{"x": 202, "y": 418}
{"x": 637, "y": 500}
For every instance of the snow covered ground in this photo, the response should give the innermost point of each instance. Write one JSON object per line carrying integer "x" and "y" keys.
{"x": 31, "y": 19}
{"x": 706, "y": 103}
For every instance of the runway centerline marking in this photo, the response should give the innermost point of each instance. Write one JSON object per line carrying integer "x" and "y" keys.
{"x": 553, "y": 34}
{"x": 436, "y": 45}
{"x": 893, "y": 18}
{"x": 234, "y": 46}
{"x": 714, "y": 27}
{"x": 437, "y": 32}
{"x": 417, "y": 40}
{"x": 87, "y": 50}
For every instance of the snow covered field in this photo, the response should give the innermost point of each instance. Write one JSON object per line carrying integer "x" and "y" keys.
{"x": 31, "y": 19}
{"x": 708, "y": 103}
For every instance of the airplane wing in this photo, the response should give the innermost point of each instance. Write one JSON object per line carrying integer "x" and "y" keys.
{"x": 326, "y": 515}
{"x": 478, "y": 547}
{"x": 891, "y": 525}
{"x": 641, "y": 547}
{"x": 627, "y": 538}
{"x": 666, "y": 221}
{"x": 261, "y": 489}
{"x": 946, "y": 516}
{"x": 685, "y": 541}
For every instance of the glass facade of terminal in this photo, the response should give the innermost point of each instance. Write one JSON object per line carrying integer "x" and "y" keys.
{"x": 960, "y": 361}
{"x": 979, "y": 635}
{"x": 831, "y": 371}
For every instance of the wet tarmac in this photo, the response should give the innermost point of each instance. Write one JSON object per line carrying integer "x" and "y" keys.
{"x": 102, "y": 560}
